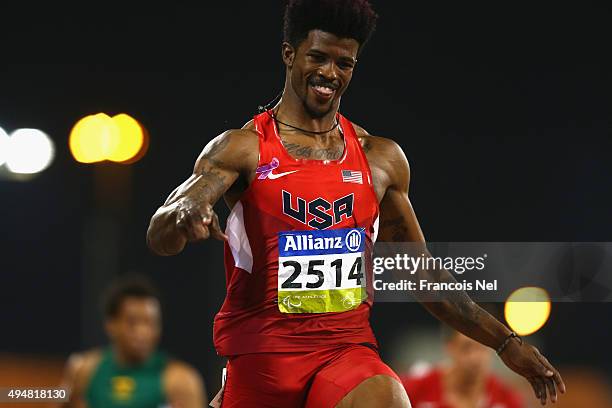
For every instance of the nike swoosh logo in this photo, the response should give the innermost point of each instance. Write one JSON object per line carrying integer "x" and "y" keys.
{"x": 273, "y": 176}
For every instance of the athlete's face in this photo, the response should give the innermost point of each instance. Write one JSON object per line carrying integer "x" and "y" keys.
{"x": 136, "y": 329}
{"x": 320, "y": 70}
{"x": 468, "y": 355}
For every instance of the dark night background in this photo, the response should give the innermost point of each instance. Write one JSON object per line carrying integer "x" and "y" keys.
{"x": 503, "y": 111}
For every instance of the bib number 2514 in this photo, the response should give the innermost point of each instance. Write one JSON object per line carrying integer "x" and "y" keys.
{"x": 321, "y": 271}
{"x": 290, "y": 283}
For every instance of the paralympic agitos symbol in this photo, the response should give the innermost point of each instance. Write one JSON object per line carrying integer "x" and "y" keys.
{"x": 325, "y": 213}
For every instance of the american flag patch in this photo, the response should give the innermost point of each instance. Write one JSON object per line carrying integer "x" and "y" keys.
{"x": 352, "y": 176}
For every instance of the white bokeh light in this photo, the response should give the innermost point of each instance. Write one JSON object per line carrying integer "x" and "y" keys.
{"x": 4, "y": 145}
{"x": 30, "y": 151}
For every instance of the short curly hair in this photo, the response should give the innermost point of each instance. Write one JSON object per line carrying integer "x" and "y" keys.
{"x": 344, "y": 18}
{"x": 131, "y": 286}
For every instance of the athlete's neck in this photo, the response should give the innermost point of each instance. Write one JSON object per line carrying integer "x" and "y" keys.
{"x": 125, "y": 359}
{"x": 291, "y": 110}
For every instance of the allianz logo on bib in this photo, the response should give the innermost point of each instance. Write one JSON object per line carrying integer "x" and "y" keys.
{"x": 345, "y": 240}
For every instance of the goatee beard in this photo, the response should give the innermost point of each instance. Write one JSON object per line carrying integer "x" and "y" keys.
{"x": 315, "y": 114}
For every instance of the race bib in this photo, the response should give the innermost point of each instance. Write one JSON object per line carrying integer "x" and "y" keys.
{"x": 321, "y": 271}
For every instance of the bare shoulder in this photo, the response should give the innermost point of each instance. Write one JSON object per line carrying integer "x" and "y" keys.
{"x": 85, "y": 362}
{"x": 238, "y": 139}
{"x": 387, "y": 161}
{"x": 180, "y": 375}
{"x": 250, "y": 125}
{"x": 80, "y": 368}
{"x": 235, "y": 149}
{"x": 381, "y": 151}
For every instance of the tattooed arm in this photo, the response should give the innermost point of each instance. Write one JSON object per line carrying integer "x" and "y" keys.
{"x": 455, "y": 308}
{"x": 187, "y": 215}
{"x": 399, "y": 224}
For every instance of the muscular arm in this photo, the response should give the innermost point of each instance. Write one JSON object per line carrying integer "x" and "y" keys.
{"x": 187, "y": 214}
{"x": 399, "y": 224}
{"x": 455, "y": 308}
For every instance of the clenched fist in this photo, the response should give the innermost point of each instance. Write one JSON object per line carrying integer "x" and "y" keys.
{"x": 197, "y": 222}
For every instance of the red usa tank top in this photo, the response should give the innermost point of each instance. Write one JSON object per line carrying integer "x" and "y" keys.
{"x": 298, "y": 259}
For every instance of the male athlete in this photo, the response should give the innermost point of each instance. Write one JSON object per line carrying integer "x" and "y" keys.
{"x": 132, "y": 373}
{"x": 466, "y": 381}
{"x": 308, "y": 190}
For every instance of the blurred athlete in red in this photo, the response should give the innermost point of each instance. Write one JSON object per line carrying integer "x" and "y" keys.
{"x": 309, "y": 193}
{"x": 466, "y": 382}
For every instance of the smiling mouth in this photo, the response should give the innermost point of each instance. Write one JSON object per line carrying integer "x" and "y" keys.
{"x": 322, "y": 91}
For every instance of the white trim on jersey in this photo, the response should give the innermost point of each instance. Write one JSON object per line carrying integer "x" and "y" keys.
{"x": 238, "y": 240}
{"x": 375, "y": 233}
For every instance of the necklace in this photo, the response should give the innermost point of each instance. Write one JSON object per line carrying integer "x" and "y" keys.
{"x": 273, "y": 116}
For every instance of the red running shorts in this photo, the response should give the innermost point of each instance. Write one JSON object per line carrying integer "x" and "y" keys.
{"x": 316, "y": 379}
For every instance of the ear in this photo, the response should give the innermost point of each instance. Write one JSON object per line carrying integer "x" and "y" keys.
{"x": 288, "y": 54}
